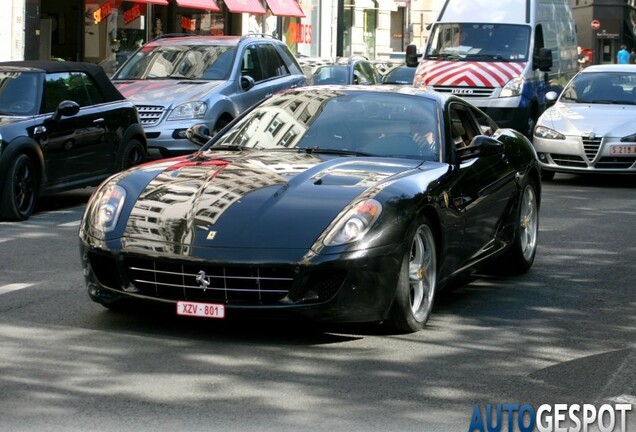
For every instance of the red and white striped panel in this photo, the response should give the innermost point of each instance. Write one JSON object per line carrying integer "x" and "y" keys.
{"x": 468, "y": 74}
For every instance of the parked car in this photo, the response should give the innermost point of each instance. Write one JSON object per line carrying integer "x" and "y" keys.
{"x": 318, "y": 203}
{"x": 590, "y": 128}
{"x": 349, "y": 70}
{"x": 400, "y": 75}
{"x": 63, "y": 125}
{"x": 179, "y": 80}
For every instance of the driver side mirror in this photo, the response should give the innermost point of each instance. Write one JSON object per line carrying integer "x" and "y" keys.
{"x": 247, "y": 82}
{"x": 66, "y": 108}
{"x": 481, "y": 145}
{"x": 199, "y": 134}
{"x": 411, "y": 57}
{"x": 543, "y": 61}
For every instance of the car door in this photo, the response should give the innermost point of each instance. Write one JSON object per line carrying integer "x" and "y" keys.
{"x": 251, "y": 66}
{"x": 481, "y": 192}
{"x": 276, "y": 69}
{"x": 79, "y": 146}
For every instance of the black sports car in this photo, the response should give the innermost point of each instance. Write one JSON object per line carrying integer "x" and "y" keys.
{"x": 63, "y": 125}
{"x": 319, "y": 202}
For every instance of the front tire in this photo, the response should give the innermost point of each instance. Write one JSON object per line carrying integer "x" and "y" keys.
{"x": 20, "y": 190}
{"x": 520, "y": 256}
{"x": 417, "y": 282}
{"x": 133, "y": 153}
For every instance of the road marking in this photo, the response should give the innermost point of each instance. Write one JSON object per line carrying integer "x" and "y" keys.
{"x": 5, "y": 239}
{"x": 71, "y": 224}
{"x": 13, "y": 287}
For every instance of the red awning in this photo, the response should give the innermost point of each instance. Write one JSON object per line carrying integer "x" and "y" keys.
{"x": 248, "y": 6}
{"x": 285, "y": 8}
{"x": 199, "y": 4}
{"x": 157, "y": 2}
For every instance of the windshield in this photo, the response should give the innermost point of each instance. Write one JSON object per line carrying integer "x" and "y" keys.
{"x": 601, "y": 87}
{"x": 198, "y": 62}
{"x": 19, "y": 93}
{"x": 332, "y": 74}
{"x": 400, "y": 75}
{"x": 340, "y": 122}
{"x": 484, "y": 42}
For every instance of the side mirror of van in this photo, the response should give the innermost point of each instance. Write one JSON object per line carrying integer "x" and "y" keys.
{"x": 543, "y": 61}
{"x": 411, "y": 55}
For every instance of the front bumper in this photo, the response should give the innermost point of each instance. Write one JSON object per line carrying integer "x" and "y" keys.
{"x": 580, "y": 155}
{"x": 352, "y": 287}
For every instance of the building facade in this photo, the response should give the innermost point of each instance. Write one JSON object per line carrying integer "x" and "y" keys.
{"x": 107, "y": 31}
{"x": 602, "y": 26}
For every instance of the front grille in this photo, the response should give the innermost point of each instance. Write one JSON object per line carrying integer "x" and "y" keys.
{"x": 149, "y": 115}
{"x": 568, "y": 160}
{"x": 466, "y": 92}
{"x": 245, "y": 285}
{"x": 615, "y": 162}
{"x": 591, "y": 146}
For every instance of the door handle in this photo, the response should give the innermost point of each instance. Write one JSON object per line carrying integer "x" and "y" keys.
{"x": 98, "y": 121}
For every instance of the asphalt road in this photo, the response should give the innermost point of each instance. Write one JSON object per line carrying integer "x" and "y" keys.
{"x": 563, "y": 333}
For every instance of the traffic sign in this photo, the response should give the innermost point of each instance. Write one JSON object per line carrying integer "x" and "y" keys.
{"x": 596, "y": 24}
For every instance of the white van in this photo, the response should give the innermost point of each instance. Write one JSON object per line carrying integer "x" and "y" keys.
{"x": 502, "y": 56}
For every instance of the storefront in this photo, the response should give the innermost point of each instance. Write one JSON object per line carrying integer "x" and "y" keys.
{"x": 116, "y": 28}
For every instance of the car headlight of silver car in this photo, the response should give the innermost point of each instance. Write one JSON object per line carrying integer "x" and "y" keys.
{"x": 189, "y": 110}
{"x": 512, "y": 88}
{"x": 106, "y": 208}
{"x": 354, "y": 224}
{"x": 629, "y": 138}
{"x": 547, "y": 133}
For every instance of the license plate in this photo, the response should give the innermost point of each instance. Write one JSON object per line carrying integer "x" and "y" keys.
{"x": 623, "y": 150}
{"x": 205, "y": 310}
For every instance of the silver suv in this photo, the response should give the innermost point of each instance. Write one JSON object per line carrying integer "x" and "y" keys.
{"x": 177, "y": 81}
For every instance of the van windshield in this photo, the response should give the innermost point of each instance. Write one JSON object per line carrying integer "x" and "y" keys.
{"x": 479, "y": 42}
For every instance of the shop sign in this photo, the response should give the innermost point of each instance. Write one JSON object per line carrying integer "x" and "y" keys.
{"x": 300, "y": 33}
{"x": 188, "y": 24}
{"x": 132, "y": 14}
{"x": 102, "y": 12}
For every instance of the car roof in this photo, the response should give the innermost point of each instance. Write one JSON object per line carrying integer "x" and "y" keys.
{"x": 389, "y": 88}
{"x": 610, "y": 68}
{"x": 186, "y": 39}
{"x": 107, "y": 88}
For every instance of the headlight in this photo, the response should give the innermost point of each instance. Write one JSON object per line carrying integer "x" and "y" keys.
{"x": 190, "y": 110}
{"x": 355, "y": 223}
{"x": 107, "y": 208}
{"x": 629, "y": 138}
{"x": 512, "y": 88}
{"x": 544, "y": 132}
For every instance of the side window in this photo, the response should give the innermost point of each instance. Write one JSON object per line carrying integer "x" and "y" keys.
{"x": 93, "y": 91}
{"x": 69, "y": 86}
{"x": 363, "y": 73}
{"x": 274, "y": 66}
{"x": 463, "y": 126}
{"x": 251, "y": 65}
{"x": 486, "y": 125}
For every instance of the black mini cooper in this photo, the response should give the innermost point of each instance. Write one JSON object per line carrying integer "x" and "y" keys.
{"x": 63, "y": 125}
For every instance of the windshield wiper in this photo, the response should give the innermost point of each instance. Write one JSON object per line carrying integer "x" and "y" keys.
{"x": 487, "y": 56}
{"x": 318, "y": 150}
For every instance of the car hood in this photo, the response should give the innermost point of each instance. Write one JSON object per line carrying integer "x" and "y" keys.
{"x": 254, "y": 199}
{"x": 165, "y": 92}
{"x": 602, "y": 120}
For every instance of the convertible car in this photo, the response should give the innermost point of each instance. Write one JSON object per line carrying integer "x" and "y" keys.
{"x": 318, "y": 203}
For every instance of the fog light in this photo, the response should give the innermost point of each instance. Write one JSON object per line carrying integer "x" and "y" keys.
{"x": 542, "y": 157}
{"x": 179, "y": 134}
